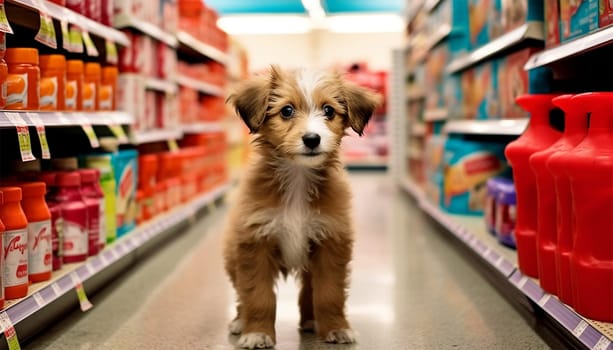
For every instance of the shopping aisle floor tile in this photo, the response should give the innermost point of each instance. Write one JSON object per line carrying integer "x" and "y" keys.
{"x": 410, "y": 289}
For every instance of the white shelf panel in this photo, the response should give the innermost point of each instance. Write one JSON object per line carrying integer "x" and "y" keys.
{"x": 471, "y": 231}
{"x": 161, "y": 85}
{"x": 125, "y": 21}
{"x": 44, "y": 293}
{"x": 530, "y": 30}
{"x": 202, "y": 87}
{"x": 68, "y": 118}
{"x": 142, "y": 137}
{"x": 591, "y": 41}
{"x": 187, "y": 40}
{"x": 487, "y": 127}
{"x": 203, "y": 127}
{"x": 62, "y": 13}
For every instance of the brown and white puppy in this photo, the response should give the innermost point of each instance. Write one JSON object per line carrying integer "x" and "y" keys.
{"x": 292, "y": 214}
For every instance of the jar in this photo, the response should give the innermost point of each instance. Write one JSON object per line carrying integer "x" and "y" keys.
{"x": 52, "y": 82}
{"x": 108, "y": 89}
{"x": 23, "y": 79}
{"x": 15, "y": 244}
{"x": 74, "y": 85}
{"x": 91, "y": 86}
{"x": 39, "y": 231}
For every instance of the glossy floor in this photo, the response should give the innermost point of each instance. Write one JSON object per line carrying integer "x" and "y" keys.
{"x": 411, "y": 289}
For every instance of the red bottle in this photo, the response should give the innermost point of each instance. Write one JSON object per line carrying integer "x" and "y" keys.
{"x": 538, "y": 136}
{"x": 39, "y": 231}
{"x": 575, "y": 129}
{"x": 591, "y": 179}
{"x": 15, "y": 244}
{"x": 2, "y": 228}
{"x": 57, "y": 238}
{"x": 74, "y": 214}
{"x": 95, "y": 208}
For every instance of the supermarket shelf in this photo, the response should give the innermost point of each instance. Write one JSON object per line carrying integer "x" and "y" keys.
{"x": 142, "y": 137}
{"x": 203, "y": 87}
{"x": 439, "y": 35}
{"x": 591, "y": 41}
{"x": 125, "y": 21}
{"x": 432, "y": 115}
{"x": 187, "y": 41}
{"x": 203, "y": 127}
{"x": 166, "y": 86}
{"x": 530, "y": 30}
{"x": 487, "y": 127}
{"x": 62, "y": 13}
{"x": 67, "y": 118}
{"x": 471, "y": 231}
{"x": 45, "y": 297}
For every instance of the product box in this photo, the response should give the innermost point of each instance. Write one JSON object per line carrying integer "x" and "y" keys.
{"x": 485, "y": 22}
{"x": 166, "y": 62}
{"x": 512, "y": 82}
{"x": 104, "y": 163}
{"x": 514, "y": 13}
{"x": 480, "y": 92}
{"x": 577, "y": 18}
{"x": 452, "y": 90}
{"x": 433, "y": 166}
{"x": 131, "y": 98}
{"x": 467, "y": 165}
{"x": 151, "y": 110}
{"x": 606, "y": 13}
{"x": 125, "y": 168}
{"x": 552, "y": 22}
{"x": 434, "y": 75}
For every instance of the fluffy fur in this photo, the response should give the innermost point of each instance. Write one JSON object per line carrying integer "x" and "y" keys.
{"x": 292, "y": 214}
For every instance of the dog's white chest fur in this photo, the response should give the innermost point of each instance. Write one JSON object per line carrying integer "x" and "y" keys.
{"x": 295, "y": 223}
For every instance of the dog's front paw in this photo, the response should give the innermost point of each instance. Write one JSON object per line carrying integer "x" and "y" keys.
{"x": 236, "y": 326}
{"x": 255, "y": 341}
{"x": 341, "y": 336}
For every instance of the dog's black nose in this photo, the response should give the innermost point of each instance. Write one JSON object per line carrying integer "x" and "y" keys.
{"x": 311, "y": 140}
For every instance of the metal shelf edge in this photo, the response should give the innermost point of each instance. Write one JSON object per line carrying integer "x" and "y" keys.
{"x": 69, "y": 118}
{"x": 200, "y": 86}
{"x": 202, "y": 48}
{"x": 487, "y": 127}
{"x": 125, "y": 21}
{"x": 156, "y": 84}
{"x": 204, "y": 127}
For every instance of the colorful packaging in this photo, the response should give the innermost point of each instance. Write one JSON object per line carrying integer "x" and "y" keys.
{"x": 489, "y": 208}
{"x": 434, "y": 75}
{"x": 23, "y": 79}
{"x": 512, "y": 82}
{"x": 606, "y": 13}
{"x": 506, "y": 212}
{"x": 514, "y": 13}
{"x": 74, "y": 85}
{"x": 578, "y": 18}
{"x": 91, "y": 86}
{"x": 40, "y": 261}
{"x": 467, "y": 165}
{"x": 552, "y": 22}
{"x": 108, "y": 89}
{"x": 95, "y": 209}
{"x": 131, "y": 99}
{"x": 75, "y": 216}
{"x": 485, "y": 22}
{"x": 125, "y": 167}
{"x": 57, "y": 237}
{"x": 15, "y": 244}
{"x": 52, "y": 82}
{"x": 104, "y": 163}
{"x": 480, "y": 92}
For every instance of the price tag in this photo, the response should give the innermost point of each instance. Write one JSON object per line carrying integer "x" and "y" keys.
{"x": 75, "y": 40}
{"x": 103, "y": 260}
{"x": 42, "y": 134}
{"x": 603, "y": 344}
{"x": 23, "y": 136}
{"x": 56, "y": 289}
{"x": 117, "y": 130}
{"x": 544, "y": 299}
{"x": 90, "y": 48}
{"x": 578, "y": 331}
{"x": 46, "y": 32}
{"x": 88, "y": 130}
{"x": 83, "y": 300}
{"x": 9, "y": 332}
{"x": 65, "y": 35}
{"x": 111, "y": 52}
{"x": 5, "y": 26}
{"x": 38, "y": 299}
{"x": 172, "y": 145}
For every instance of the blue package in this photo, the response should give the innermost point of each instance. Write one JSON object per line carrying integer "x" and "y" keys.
{"x": 125, "y": 168}
{"x": 577, "y": 18}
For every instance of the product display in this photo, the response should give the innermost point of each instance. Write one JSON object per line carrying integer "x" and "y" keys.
{"x": 22, "y": 87}
{"x": 57, "y": 237}
{"x": 15, "y": 244}
{"x": 52, "y": 82}
{"x": 39, "y": 231}
{"x": 75, "y": 220}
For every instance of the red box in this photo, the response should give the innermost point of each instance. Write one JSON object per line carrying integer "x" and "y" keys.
{"x": 552, "y": 22}
{"x": 606, "y": 14}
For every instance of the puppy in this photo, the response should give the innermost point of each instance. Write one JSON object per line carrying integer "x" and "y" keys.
{"x": 293, "y": 210}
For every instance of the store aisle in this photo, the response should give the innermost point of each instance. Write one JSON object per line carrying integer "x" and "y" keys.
{"x": 411, "y": 289}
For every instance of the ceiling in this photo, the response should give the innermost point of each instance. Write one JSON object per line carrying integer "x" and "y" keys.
{"x": 331, "y": 7}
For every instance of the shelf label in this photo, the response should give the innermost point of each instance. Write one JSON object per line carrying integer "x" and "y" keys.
{"x": 117, "y": 130}
{"x": 38, "y": 299}
{"x": 46, "y": 32}
{"x": 23, "y": 136}
{"x": 544, "y": 299}
{"x": 83, "y": 300}
{"x": 65, "y": 34}
{"x": 56, "y": 289}
{"x": 5, "y": 26}
{"x": 603, "y": 344}
{"x": 173, "y": 146}
{"x": 9, "y": 332}
{"x": 42, "y": 134}
{"x": 111, "y": 52}
{"x": 90, "y": 48}
{"x": 75, "y": 40}
{"x": 581, "y": 327}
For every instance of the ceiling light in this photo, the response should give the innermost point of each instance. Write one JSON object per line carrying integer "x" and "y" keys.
{"x": 265, "y": 24}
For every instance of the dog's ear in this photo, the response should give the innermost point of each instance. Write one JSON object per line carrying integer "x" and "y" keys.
{"x": 361, "y": 104}
{"x": 251, "y": 102}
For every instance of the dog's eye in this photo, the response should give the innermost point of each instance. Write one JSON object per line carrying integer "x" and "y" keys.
{"x": 287, "y": 111}
{"x": 328, "y": 111}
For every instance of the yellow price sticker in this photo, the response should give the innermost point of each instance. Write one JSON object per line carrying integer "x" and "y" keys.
{"x": 83, "y": 300}
{"x": 9, "y": 332}
{"x": 46, "y": 32}
{"x": 172, "y": 145}
{"x": 111, "y": 52}
{"x": 5, "y": 26}
{"x": 119, "y": 133}
{"x": 75, "y": 40}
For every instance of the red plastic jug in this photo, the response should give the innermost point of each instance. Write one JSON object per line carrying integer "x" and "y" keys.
{"x": 95, "y": 207}
{"x": 538, "y": 136}
{"x": 575, "y": 129}
{"x": 74, "y": 213}
{"x": 591, "y": 178}
{"x": 15, "y": 246}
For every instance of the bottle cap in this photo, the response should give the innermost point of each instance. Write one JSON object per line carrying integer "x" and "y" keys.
{"x": 72, "y": 178}
{"x": 33, "y": 189}
{"x": 22, "y": 55}
{"x": 11, "y": 194}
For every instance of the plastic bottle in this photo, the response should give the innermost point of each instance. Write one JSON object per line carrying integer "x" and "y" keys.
{"x": 2, "y": 229}
{"x": 539, "y": 135}
{"x": 4, "y": 70}
{"x": 40, "y": 261}
{"x": 74, "y": 213}
{"x": 575, "y": 129}
{"x": 591, "y": 178}
{"x": 104, "y": 163}
{"x": 23, "y": 79}
{"x": 15, "y": 244}
{"x": 91, "y": 86}
{"x": 74, "y": 85}
{"x": 108, "y": 89}
{"x": 57, "y": 236}
{"x": 95, "y": 207}
{"x": 52, "y": 82}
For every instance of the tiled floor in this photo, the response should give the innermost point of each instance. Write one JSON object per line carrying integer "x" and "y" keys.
{"x": 411, "y": 289}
